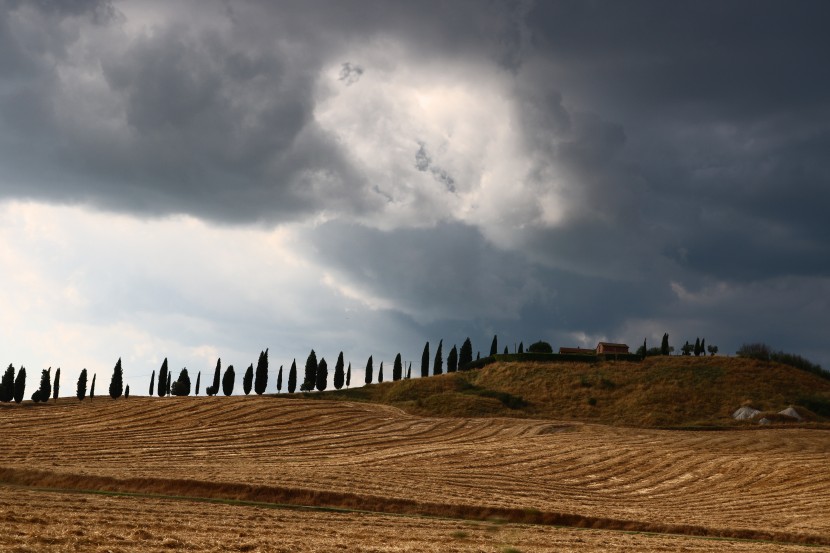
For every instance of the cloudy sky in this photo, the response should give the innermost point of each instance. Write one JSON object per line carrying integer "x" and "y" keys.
{"x": 200, "y": 179}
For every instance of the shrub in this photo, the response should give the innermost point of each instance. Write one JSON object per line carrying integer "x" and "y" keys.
{"x": 757, "y": 350}
{"x": 540, "y": 347}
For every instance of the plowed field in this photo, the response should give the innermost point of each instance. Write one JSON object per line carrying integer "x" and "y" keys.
{"x": 765, "y": 483}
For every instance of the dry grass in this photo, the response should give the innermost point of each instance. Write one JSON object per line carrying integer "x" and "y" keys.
{"x": 767, "y": 482}
{"x": 51, "y": 522}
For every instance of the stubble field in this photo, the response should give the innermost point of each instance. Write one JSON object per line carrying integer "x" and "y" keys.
{"x": 770, "y": 484}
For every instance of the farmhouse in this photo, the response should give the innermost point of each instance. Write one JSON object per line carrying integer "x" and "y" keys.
{"x": 609, "y": 348}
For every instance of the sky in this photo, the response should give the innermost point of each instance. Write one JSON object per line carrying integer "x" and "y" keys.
{"x": 196, "y": 180}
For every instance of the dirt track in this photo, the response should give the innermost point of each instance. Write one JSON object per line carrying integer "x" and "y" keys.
{"x": 769, "y": 480}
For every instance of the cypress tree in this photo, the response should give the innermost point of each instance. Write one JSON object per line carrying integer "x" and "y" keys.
{"x": 478, "y": 355}
{"x": 338, "y": 372}
{"x": 368, "y": 378}
{"x": 664, "y": 345}
{"x": 57, "y": 385}
{"x": 697, "y": 347}
{"x": 42, "y": 394}
{"x": 92, "y": 387}
{"x": 181, "y": 387}
{"x": 162, "y": 391}
{"x": 228, "y": 381}
{"x": 494, "y": 347}
{"x": 279, "y": 380}
{"x": 213, "y": 389}
{"x": 81, "y": 391}
{"x": 438, "y": 365}
{"x": 7, "y": 385}
{"x": 521, "y": 348}
{"x": 425, "y": 361}
{"x": 465, "y": 356}
{"x": 505, "y": 351}
{"x": 152, "y": 383}
{"x": 397, "y": 368}
{"x": 127, "y": 391}
{"x": 409, "y": 371}
{"x": 20, "y": 385}
{"x": 310, "y": 379}
{"x": 322, "y": 375}
{"x": 452, "y": 360}
{"x": 169, "y": 380}
{"x": 261, "y": 380}
{"x": 292, "y": 377}
{"x": 349, "y": 375}
{"x": 117, "y": 382}
{"x": 248, "y": 379}
{"x": 703, "y": 346}
{"x": 198, "y": 381}
{"x": 380, "y": 372}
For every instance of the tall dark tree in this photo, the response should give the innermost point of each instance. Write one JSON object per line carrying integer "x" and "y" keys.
{"x": 213, "y": 389}
{"x": 425, "y": 361}
{"x": 81, "y": 390}
{"x": 380, "y": 372}
{"x": 92, "y": 387}
{"x": 279, "y": 380}
{"x": 697, "y": 347}
{"x": 687, "y": 348}
{"x": 57, "y": 385}
{"x": 438, "y": 363}
{"x": 310, "y": 379}
{"x": 339, "y": 376}
{"x": 409, "y": 371}
{"x": 117, "y": 381}
{"x": 703, "y": 346}
{"x": 349, "y": 375}
{"x": 181, "y": 387}
{"x": 452, "y": 360}
{"x": 198, "y": 381}
{"x": 397, "y": 368}
{"x": 20, "y": 385}
{"x": 48, "y": 388}
{"x": 664, "y": 344}
{"x": 152, "y": 383}
{"x": 248, "y": 379}
{"x": 162, "y": 391}
{"x": 42, "y": 394}
{"x": 521, "y": 348}
{"x": 292, "y": 377}
{"x": 228, "y": 381}
{"x": 322, "y": 375}
{"x": 465, "y": 356}
{"x": 169, "y": 382}
{"x": 505, "y": 351}
{"x": 127, "y": 391}
{"x": 261, "y": 379}
{"x": 494, "y": 347}
{"x": 7, "y": 385}
{"x": 368, "y": 377}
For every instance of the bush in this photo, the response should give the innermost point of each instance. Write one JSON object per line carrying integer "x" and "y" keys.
{"x": 799, "y": 362}
{"x": 540, "y": 347}
{"x": 757, "y": 350}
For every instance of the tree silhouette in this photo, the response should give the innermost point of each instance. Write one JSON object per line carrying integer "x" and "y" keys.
{"x": 310, "y": 380}
{"x": 521, "y": 348}
{"x": 56, "y": 387}
{"x": 169, "y": 380}
{"x": 152, "y": 383}
{"x": 228, "y": 381}
{"x": 292, "y": 377}
{"x": 697, "y": 349}
{"x": 397, "y": 368}
{"x": 322, "y": 375}
{"x": 198, "y": 381}
{"x": 339, "y": 376}
{"x": 703, "y": 346}
{"x": 213, "y": 389}
{"x": 117, "y": 382}
{"x": 438, "y": 363}
{"x": 505, "y": 351}
{"x": 162, "y": 390}
{"x": 181, "y": 387}
{"x": 127, "y": 391}
{"x": 380, "y": 372}
{"x": 452, "y": 360}
{"x": 42, "y": 394}
{"x": 92, "y": 387}
{"x": 81, "y": 390}
{"x": 349, "y": 375}
{"x": 465, "y": 356}
{"x": 248, "y": 379}
{"x": 261, "y": 379}
{"x": 279, "y": 380}
{"x": 664, "y": 344}
{"x": 7, "y": 385}
{"x": 494, "y": 347}
{"x": 425, "y": 361}
{"x": 409, "y": 371}
{"x": 368, "y": 377}
{"x": 20, "y": 385}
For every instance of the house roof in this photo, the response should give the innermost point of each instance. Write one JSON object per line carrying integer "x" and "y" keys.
{"x": 612, "y": 344}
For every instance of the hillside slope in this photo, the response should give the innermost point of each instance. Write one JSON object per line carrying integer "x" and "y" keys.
{"x": 660, "y": 391}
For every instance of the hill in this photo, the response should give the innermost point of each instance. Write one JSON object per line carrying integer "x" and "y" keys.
{"x": 659, "y": 391}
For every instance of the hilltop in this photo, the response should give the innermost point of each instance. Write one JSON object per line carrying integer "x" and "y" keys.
{"x": 659, "y": 391}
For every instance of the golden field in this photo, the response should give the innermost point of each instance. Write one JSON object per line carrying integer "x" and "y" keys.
{"x": 758, "y": 483}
